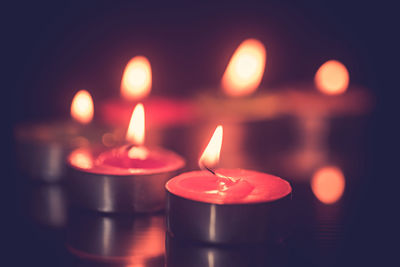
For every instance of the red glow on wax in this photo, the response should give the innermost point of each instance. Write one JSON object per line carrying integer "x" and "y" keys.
{"x": 250, "y": 187}
{"x": 118, "y": 162}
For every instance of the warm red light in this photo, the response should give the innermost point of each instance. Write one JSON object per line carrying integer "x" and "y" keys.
{"x": 82, "y": 107}
{"x": 328, "y": 184}
{"x": 136, "y": 81}
{"x": 245, "y": 69}
{"x": 332, "y": 78}
{"x": 136, "y": 130}
{"x": 210, "y": 156}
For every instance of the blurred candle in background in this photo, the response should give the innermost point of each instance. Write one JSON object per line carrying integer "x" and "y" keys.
{"x": 237, "y": 100}
{"x": 328, "y": 185}
{"x": 136, "y": 85}
{"x": 42, "y": 147}
{"x": 313, "y": 106}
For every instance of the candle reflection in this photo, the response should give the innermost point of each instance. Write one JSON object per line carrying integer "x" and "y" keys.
{"x": 182, "y": 253}
{"x": 132, "y": 241}
{"x": 328, "y": 184}
{"x": 245, "y": 69}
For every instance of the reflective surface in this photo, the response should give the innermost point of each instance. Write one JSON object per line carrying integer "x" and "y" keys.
{"x": 317, "y": 234}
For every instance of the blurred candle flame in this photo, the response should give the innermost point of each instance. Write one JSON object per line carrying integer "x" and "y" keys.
{"x": 136, "y": 130}
{"x": 332, "y": 78}
{"x": 245, "y": 69}
{"x": 136, "y": 80}
{"x": 81, "y": 159}
{"x": 82, "y": 107}
{"x": 210, "y": 157}
{"x": 328, "y": 184}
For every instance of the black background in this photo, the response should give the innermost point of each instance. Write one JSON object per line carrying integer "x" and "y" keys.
{"x": 53, "y": 49}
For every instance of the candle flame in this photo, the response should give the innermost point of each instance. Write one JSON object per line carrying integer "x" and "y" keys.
{"x": 328, "y": 184}
{"x": 245, "y": 69}
{"x": 81, "y": 159}
{"x": 136, "y": 81}
{"x": 136, "y": 129}
{"x": 82, "y": 107}
{"x": 332, "y": 78}
{"x": 210, "y": 157}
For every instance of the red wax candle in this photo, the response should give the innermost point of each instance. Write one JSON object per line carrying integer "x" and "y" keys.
{"x": 225, "y": 205}
{"x": 136, "y": 85}
{"x": 249, "y": 187}
{"x": 129, "y": 178}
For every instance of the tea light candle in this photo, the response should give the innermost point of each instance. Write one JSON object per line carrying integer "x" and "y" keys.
{"x": 224, "y": 205}
{"x": 43, "y": 147}
{"x": 237, "y": 99}
{"x": 129, "y": 178}
{"x": 136, "y": 86}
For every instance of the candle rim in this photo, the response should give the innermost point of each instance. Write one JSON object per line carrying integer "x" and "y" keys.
{"x": 289, "y": 188}
{"x": 176, "y": 162}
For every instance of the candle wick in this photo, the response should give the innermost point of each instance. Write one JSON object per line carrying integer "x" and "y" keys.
{"x": 208, "y": 169}
{"x": 220, "y": 175}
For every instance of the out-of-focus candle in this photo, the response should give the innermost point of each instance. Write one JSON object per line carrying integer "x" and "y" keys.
{"x": 237, "y": 100}
{"x": 313, "y": 105}
{"x": 136, "y": 86}
{"x": 42, "y": 147}
{"x": 129, "y": 178}
{"x": 226, "y": 205}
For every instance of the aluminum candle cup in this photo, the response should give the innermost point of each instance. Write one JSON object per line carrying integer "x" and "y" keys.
{"x": 109, "y": 180}
{"x": 43, "y": 148}
{"x": 246, "y": 212}
{"x": 117, "y": 239}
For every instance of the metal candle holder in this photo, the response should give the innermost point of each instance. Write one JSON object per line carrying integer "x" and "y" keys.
{"x": 118, "y": 193}
{"x": 226, "y": 223}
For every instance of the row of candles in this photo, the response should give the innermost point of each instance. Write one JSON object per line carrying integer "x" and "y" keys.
{"x": 112, "y": 171}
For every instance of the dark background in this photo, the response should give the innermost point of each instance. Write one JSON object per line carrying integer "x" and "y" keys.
{"x": 53, "y": 49}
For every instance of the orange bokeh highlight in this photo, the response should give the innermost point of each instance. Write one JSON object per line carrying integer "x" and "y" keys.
{"x": 332, "y": 78}
{"x": 137, "y": 79}
{"x": 245, "y": 69}
{"x": 210, "y": 156}
{"x": 136, "y": 130}
{"x": 81, "y": 159}
{"x": 328, "y": 184}
{"x": 82, "y": 107}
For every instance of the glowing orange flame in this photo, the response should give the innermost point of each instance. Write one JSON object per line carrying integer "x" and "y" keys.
{"x": 245, "y": 69}
{"x": 136, "y": 129}
{"x": 332, "y": 78}
{"x": 210, "y": 156}
{"x": 82, "y": 107}
{"x": 136, "y": 81}
{"x": 82, "y": 159}
{"x": 328, "y": 184}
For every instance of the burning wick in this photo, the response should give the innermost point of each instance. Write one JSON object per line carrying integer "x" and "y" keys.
{"x": 136, "y": 134}
{"x": 210, "y": 157}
